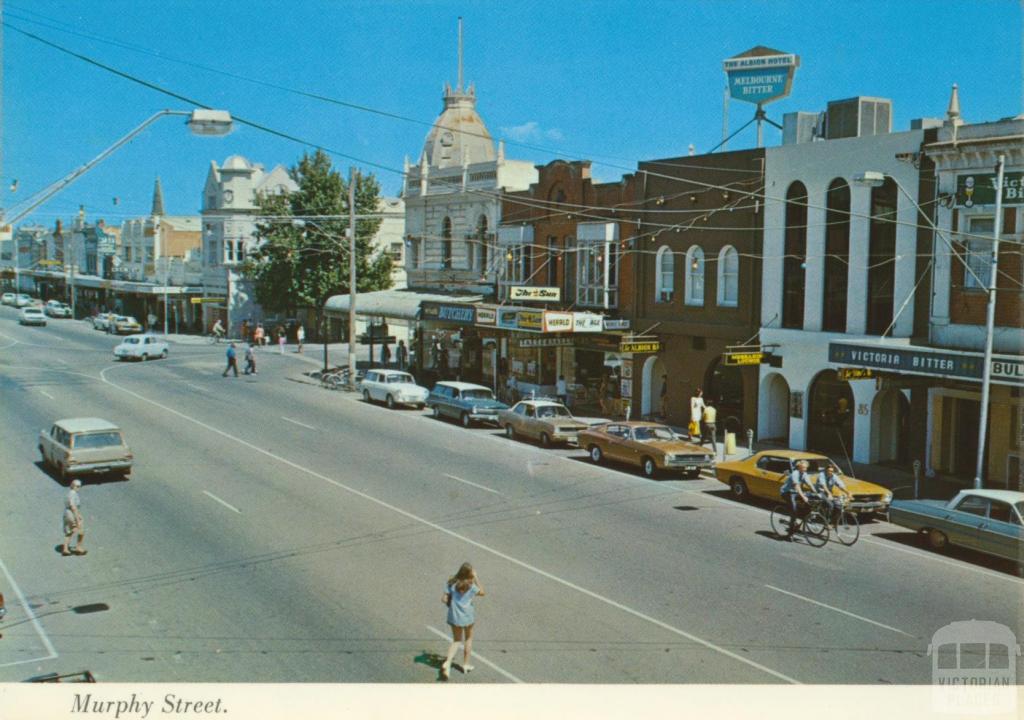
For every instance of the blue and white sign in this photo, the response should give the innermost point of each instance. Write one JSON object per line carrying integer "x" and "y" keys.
{"x": 761, "y": 75}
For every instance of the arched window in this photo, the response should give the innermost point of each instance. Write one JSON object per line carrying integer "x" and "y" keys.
{"x": 481, "y": 242}
{"x": 665, "y": 275}
{"x": 882, "y": 257}
{"x": 446, "y": 244}
{"x": 695, "y": 276}
{"x": 837, "y": 256}
{"x": 793, "y": 269}
{"x": 728, "y": 277}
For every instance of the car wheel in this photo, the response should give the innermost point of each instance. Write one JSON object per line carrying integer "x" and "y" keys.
{"x": 163, "y": 354}
{"x": 739, "y": 488}
{"x": 435, "y": 412}
{"x": 390, "y": 402}
{"x": 510, "y": 432}
{"x": 466, "y": 420}
{"x": 649, "y": 467}
{"x": 545, "y": 439}
{"x": 936, "y": 539}
{"x": 420, "y": 406}
{"x": 366, "y": 396}
{"x": 595, "y": 454}
{"x": 145, "y": 356}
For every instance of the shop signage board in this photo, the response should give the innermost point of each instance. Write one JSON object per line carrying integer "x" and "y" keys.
{"x": 587, "y": 322}
{"x": 507, "y": 318}
{"x": 980, "y": 189}
{"x": 445, "y": 312}
{"x": 639, "y": 346}
{"x": 761, "y": 75}
{"x": 546, "y": 342}
{"x": 530, "y": 320}
{"x": 535, "y": 294}
{"x": 486, "y": 316}
{"x": 919, "y": 361}
{"x": 616, "y": 323}
{"x": 555, "y": 321}
{"x": 745, "y": 358}
{"x": 855, "y": 373}
{"x": 201, "y": 300}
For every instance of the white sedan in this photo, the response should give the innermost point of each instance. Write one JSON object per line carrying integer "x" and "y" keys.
{"x": 8, "y": 298}
{"x": 141, "y": 347}
{"x": 32, "y": 316}
{"x": 394, "y": 388}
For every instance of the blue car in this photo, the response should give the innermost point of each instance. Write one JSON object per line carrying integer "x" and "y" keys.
{"x": 465, "y": 402}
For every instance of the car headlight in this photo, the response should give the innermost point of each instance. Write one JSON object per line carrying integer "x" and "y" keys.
{"x": 887, "y": 497}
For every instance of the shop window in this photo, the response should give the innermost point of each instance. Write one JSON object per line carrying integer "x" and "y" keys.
{"x": 793, "y": 267}
{"x": 664, "y": 272}
{"x": 592, "y": 276}
{"x": 728, "y": 277}
{"x": 446, "y": 244}
{"x": 837, "y": 257}
{"x": 881, "y": 258}
{"x": 978, "y": 251}
{"x": 695, "y": 276}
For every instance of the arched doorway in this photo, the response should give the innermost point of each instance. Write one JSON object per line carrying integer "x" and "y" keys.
{"x": 890, "y": 427}
{"x": 830, "y": 415}
{"x": 776, "y": 406}
{"x": 653, "y": 369}
{"x": 723, "y": 388}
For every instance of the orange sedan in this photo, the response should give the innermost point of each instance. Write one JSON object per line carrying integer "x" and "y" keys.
{"x": 650, "y": 446}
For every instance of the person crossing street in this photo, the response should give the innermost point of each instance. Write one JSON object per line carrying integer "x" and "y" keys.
{"x": 232, "y": 357}
{"x": 72, "y": 520}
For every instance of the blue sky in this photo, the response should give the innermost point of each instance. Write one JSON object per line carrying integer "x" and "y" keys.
{"x": 606, "y": 80}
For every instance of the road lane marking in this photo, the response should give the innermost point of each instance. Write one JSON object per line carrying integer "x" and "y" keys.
{"x": 472, "y": 483}
{"x": 963, "y": 565}
{"x": 47, "y": 394}
{"x": 838, "y": 610}
{"x": 453, "y": 534}
{"x": 195, "y": 387}
{"x": 300, "y": 424}
{"x": 227, "y": 505}
{"x": 32, "y": 616}
{"x": 481, "y": 658}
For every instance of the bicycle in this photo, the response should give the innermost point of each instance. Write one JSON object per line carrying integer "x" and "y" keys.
{"x": 811, "y": 523}
{"x": 842, "y": 522}
{"x": 335, "y": 379}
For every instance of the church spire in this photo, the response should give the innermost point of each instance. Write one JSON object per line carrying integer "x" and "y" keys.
{"x": 158, "y": 199}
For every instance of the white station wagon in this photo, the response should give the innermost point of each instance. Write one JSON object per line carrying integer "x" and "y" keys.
{"x": 85, "y": 446}
{"x": 393, "y": 387}
{"x": 141, "y": 347}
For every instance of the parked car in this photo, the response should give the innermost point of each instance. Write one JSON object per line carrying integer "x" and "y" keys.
{"x": 85, "y": 446}
{"x": 465, "y": 402}
{"x": 548, "y": 421}
{"x": 141, "y": 347}
{"x": 125, "y": 325}
{"x": 989, "y": 521}
{"x": 22, "y": 300}
{"x": 57, "y": 309}
{"x": 761, "y": 475}
{"x": 32, "y": 316}
{"x": 392, "y": 387}
{"x": 7, "y": 298}
{"x": 650, "y": 446}
{"x": 102, "y": 321}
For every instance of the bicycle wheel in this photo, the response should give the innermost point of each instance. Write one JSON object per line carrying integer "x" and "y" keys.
{"x": 780, "y": 520}
{"x": 332, "y": 381}
{"x": 815, "y": 528}
{"x": 847, "y": 527}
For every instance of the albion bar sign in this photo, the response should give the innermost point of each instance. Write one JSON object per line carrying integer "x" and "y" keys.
{"x": 1005, "y": 370}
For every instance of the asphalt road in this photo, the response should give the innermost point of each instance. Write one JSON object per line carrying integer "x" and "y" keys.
{"x": 276, "y": 532}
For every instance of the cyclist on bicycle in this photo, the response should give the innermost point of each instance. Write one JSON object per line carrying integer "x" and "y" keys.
{"x": 218, "y": 330}
{"x": 792, "y": 491}
{"x": 827, "y": 481}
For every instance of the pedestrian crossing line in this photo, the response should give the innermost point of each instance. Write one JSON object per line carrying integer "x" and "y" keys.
{"x": 43, "y": 392}
{"x": 296, "y": 422}
{"x": 481, "y": 658}
{"x": 453, "y": 477}
{"x": 34, "y": 620}
{"x": 456, "y": 535}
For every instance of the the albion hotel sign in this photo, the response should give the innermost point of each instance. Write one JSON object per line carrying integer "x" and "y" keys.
{"x": 1006, "y": 370}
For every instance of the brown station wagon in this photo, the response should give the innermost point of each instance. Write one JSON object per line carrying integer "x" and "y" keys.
{"x": 650, "y": 446}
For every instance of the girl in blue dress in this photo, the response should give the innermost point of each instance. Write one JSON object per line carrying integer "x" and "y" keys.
{"x": 459, "y": 592}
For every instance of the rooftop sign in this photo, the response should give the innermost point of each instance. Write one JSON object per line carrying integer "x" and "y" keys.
{"x": 761, "y": 75}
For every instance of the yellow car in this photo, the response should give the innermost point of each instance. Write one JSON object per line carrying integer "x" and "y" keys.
{"x": 650, "y": 446}
{"x": 761, "y": 476}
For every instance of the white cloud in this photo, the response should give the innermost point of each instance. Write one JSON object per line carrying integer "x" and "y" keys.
{"x": 531, "y": 131}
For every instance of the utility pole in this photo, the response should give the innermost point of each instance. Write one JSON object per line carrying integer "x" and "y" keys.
{"x": 986, "y": 381}
{"x": 353, "y": 175}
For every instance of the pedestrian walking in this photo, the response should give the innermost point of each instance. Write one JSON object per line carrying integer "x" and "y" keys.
{"x": 709, "y": 417}
{"x": 232, "y": 357}
{"x": 458, "y": 595}
{"x": 72, "y": 520}
{"x": 300, "y": 336}
{"x": 279, "y": 332}
{"x": 259, "y": 335}
{"x": 562, "y": 390}
{"x": 402, "y": 355}
{"x": 385, "y": 355}
{"x": 696, "y": 413}
{"x": 245, "y": 330}
{"x": 250, "y": 359}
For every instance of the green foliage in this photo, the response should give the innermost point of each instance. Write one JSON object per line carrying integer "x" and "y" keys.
{"x": 303, "y": 258}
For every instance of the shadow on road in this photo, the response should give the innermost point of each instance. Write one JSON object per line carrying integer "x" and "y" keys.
{"x": 913, "y": 540}
{"x": 87, "y": 480}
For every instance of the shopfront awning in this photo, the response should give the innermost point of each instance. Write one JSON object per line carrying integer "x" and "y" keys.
{"x": 396, "y": 304}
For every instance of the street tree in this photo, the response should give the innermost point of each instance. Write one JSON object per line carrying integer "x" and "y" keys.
{"x": 302, "y": 258}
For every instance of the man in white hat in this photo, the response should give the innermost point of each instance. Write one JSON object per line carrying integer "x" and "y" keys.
{"x": 73, "y": 520}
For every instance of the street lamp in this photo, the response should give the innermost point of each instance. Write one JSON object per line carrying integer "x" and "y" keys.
{"x": 874, "y": 179}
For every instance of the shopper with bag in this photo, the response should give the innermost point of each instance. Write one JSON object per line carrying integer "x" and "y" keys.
{"x": 696, "y": 413}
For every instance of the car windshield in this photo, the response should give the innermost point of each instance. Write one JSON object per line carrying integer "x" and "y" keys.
{"x": 657, "y": 432}
{"x": 550, "y": 411}
{"x": 97, "y": 440}
{"x": 1020, "y": 507}
{"x": 32, "y": 311}
{"x": 128, "y": 319}
{"x": 480, "y": 394}
{"x": 399, "y": 378}
{"x": 131, "y": 341}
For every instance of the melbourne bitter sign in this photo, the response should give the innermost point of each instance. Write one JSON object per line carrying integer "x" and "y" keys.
{"x": 761, "y": 75}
